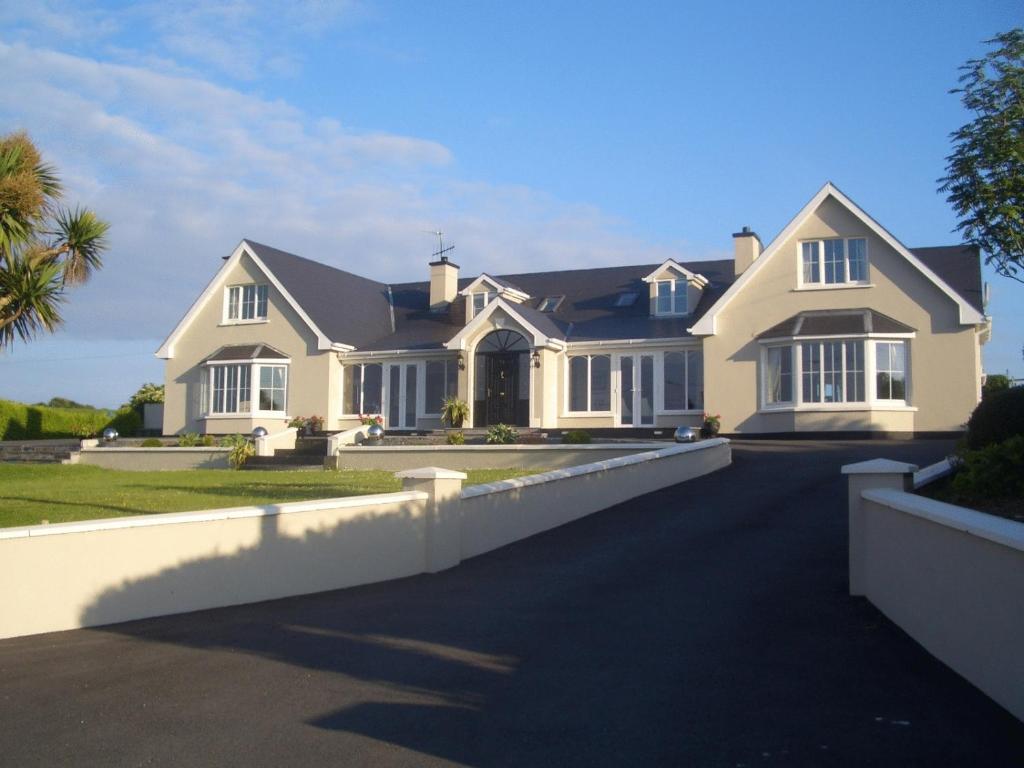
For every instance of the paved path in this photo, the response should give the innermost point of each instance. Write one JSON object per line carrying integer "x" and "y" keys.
{"x": 707, "y": 624}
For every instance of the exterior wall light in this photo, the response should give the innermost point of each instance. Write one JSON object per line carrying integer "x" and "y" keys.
{"x": 462, "y": 362}
{"x": 535, "y": 357}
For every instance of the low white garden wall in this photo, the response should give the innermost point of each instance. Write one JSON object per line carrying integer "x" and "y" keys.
{"x": 951, "y": 577}
{"x": 398, "y": 457}
{"x": 154, "y": 459}
{"x": 106, "y": 571}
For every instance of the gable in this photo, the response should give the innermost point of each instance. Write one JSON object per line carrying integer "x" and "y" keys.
{"x": 830, "y": 214}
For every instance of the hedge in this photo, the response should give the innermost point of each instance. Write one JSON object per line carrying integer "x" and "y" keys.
{"x": 998, "y": 417}
{"x": 34, "y": 422}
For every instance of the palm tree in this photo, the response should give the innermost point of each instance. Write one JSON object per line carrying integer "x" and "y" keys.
{"x": 44, "y": 249}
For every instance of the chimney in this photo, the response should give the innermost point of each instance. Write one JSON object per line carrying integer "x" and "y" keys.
{"x": 444, "y": 283}
{"x": 746, "y": 246}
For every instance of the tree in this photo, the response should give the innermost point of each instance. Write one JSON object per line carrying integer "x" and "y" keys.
{"x": 44, "y": 249}
{"x": 147, "y": 393}
{"x": 985, "y": 173}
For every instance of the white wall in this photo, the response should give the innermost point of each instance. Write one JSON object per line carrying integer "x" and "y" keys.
{"x": 106, "y": 571}
{"x": 952, "y": 578}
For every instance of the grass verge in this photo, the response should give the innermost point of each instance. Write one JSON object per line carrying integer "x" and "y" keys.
{"x": 58, "y": 493}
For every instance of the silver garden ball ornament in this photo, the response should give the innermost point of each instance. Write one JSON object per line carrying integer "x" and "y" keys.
{"x": 375, "y": 434}
{"x": 259, "y": 432}
{"x": 686, "y": 435}
{"x": 110, "y": 434}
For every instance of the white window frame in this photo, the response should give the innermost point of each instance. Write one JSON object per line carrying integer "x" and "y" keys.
{"x": 488, "y": 297}
{"x": 820, "y": 284}
{"x": 567, "y": 383}
{"x": 871, "y": 400}
{"x": 677, "y": 286}
{"x": 255, "y": 367}
{"x": 234, "y": 295}
{"x": 345, "y": 371}
{"x": 659, "y": 382}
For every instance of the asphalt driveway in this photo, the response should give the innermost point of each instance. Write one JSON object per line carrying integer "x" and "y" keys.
{"x": 706, "y": 624}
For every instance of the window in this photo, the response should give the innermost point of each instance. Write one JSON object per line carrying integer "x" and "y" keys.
{"x": 550, "y": 303}
{"x": 835, "y": 372}
{"x": 482, "y": 299}
{"x": 272, "y": 388}
{"x": 247, "y": 302}
{"x": 231, "y": 388}
{"x": 626, "y": 299}
{"x": 363, "y": 388}
{"x": 779, "y": 375}
{"x": 590, "y": 383}
{"x": 834, "y": 262}
{"x": 890, "y": 370}
{"x": 442, "y": 382}
{"x": 671, "y": 297}
{"x": 683, "y": 379}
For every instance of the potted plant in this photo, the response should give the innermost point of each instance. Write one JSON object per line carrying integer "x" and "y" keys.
{"x": 712, "y": 423}
{"x": 315, "y": 424}
{"x": 454, "y": 411}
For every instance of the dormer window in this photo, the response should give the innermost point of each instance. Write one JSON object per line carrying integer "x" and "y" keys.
{"x": 834, "y": 262}
{"x": 481, "y": 300}
{"x": 246, "y": 302}
{"x": 670, "y": 297}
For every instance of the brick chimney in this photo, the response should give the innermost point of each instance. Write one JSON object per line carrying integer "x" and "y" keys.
{"x": 444, "y": 283}
{"x": 746, "y": 246}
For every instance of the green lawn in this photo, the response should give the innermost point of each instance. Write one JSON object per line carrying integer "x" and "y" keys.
{"x": 58, "y": 493}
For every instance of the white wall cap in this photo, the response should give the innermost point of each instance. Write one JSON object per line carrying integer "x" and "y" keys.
{"x": 880, "y": 467}
{"x": 999, "y": 530}
{"x": 206, "y": 515}
{"x": 431, "y": 473}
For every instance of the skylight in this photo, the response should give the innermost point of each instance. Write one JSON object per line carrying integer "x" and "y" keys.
{"x": 626, "y": 299}
{"x": 549, "y": 303}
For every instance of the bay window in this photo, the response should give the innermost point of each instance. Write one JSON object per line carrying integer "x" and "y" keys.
{"x": 834, "y": 262}
{"x": 834, "y": 372}
{"x": 363, "y": 388}
{"x": 683, "y": 381}
{"x": 590, "y": 383}
{"x": 230, "y": 388}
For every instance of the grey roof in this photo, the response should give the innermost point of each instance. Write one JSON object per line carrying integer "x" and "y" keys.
{"x": 836, "y": 323}
{"x": 349, "y": 309}
{"x": 369, "y": 315}
{"x": 247, "y": 352}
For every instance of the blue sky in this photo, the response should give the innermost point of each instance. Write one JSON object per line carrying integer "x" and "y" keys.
{"x": 537, "y": 135}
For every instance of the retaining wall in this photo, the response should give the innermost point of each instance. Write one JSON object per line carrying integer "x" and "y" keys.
{"x": 951, "y": 577}
{"x": 106, "y": 571}
{"x": 150, "y": 459}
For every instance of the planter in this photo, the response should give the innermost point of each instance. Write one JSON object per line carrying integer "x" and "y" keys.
{"x": 709, "y": 429}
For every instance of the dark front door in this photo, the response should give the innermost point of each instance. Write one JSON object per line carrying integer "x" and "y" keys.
{"x": 502, "y": 381}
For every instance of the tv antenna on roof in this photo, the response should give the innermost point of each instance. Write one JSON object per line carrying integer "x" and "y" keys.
{"x": 441, "y": 250}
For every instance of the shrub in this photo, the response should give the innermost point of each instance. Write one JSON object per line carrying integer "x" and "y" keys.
{"x": 997, "y": 418}
{"x": 455, "y": 438}
{"x": 241, "y": 450}
{"x": 126, "y": 421}
{"x": 147, "y": 393}
{"x": 502, "y": 434}
{"x": 995, "y": 382}
{"x": 152, "y": 442}
{"x": 207, "y": 441}
{"x": 993, "y": 472}
{"x": 576, "y": 436}
{"x": 454, "y": 411}
{"x": 188, "y": 440}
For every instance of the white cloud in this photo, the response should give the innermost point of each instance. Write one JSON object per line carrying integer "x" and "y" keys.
{"x": 184, "y": 168}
